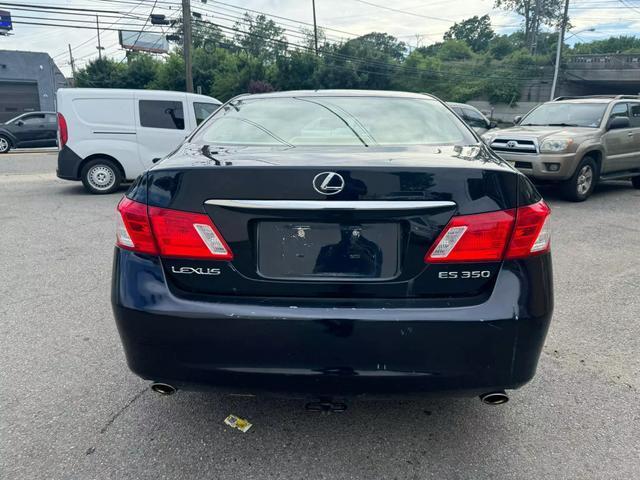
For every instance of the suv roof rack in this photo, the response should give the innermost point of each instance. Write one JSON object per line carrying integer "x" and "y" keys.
{"x": 612, "y": 97}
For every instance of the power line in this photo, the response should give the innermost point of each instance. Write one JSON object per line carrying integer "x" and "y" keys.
{"x": 50, "y": 7}
{"x": 406, "y": 12}
{"x": 208, "y": 8}
{"x": 130, "y": 12}
{"x": 145, "y": 22}
{"x": 54, "y": 19}
{"x": 77, "y": 14}
{"x": 361, "y": 60}
{"x": 41, "y": 24}
{"x": 334, "y": 55}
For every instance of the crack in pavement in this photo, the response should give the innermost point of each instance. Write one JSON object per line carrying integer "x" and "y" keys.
{"x": 115, "y": 416}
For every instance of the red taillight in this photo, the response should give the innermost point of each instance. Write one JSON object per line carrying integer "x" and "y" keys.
{"x": 133, "y": 231}
{"x": 169, "y": 233}
{"x": 531, "y": 235}
{"x": 186, "y": 234}
{"x": 492, "y": 236}
{"x": 63, "y": 132}
{"x": 473, "y": 238}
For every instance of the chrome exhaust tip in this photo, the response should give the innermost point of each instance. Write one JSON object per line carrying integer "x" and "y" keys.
{"x": 163, "y": 388}
{"x": 494, "y": 398}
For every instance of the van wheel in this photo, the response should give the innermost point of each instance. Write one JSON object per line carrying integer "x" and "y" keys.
{"x": 635, "y": 181}
{"x": 5, "y": 144}
{"x": 581, "y": 185}
{"x": 101, "y": 176}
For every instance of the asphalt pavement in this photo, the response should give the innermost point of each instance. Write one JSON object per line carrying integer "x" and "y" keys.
{"x": 70, "y": 408}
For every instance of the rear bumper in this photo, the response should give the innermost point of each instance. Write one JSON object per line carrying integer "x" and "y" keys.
{"x": 250, "y": 345}
{"x": 68, "y": 164}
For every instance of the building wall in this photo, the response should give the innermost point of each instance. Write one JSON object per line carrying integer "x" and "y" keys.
{"x": 30, "y": 67}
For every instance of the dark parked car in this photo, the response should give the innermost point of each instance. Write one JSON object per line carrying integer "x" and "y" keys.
{"x": 474, "y": 117}
{"x": 301, "y": 242}
{"x": 35, "y": 129}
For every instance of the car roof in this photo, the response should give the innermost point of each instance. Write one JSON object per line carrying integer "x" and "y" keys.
{"x": 115, "y": 92}
{"x": 585, "y": 100}
{"x": 339, "y": 93}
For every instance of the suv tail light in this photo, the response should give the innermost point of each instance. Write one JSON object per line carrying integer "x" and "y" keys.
{"x": 494, "y": 236}
{"x": 168, "y": 233}
{"x": 63, "y": 132}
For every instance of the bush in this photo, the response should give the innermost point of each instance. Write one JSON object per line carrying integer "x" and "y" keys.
{"x": 454, "y": 50}
{"x": 503, "y": 90}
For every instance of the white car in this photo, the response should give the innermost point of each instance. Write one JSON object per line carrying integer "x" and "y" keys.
{"x": 107, "y": 136}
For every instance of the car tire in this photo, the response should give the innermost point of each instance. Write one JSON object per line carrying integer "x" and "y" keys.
{"x": 635, "y": 181}
{"x": 5, "y": 144}
{"x": 101, "y": 176}
{"x": 583, "y": 181}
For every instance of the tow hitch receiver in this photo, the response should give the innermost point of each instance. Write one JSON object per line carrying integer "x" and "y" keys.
{"x": 326, "y": 405}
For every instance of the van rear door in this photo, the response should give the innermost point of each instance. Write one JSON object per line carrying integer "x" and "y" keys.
{"x": 161, "y": 124}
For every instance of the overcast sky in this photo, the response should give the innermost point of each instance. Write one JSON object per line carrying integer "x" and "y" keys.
{"x": 419, "y": 22}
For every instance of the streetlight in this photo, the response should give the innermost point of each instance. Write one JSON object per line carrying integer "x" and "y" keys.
{"x": 563, "y": 26}
{"x": 592, "y": 29}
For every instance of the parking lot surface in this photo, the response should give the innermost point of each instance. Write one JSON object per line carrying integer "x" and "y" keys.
{"x": 70, "y": 408}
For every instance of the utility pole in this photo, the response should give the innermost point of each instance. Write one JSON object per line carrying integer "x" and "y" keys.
{"x": 186, "y": 43}
{"x": 536, "y": 29}
{"x": 315, "y": 26}
{"x": 99, "y": 45}
{"x": 563, "y": 27}
{"x": 73, "y": 64}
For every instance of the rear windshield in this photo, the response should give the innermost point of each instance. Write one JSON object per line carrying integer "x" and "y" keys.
{"x": 567, "y": 115}
{"x": 334, "y": 121}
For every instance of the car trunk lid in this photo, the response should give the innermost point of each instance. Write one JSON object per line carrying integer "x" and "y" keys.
{"x": 293, "y": 234}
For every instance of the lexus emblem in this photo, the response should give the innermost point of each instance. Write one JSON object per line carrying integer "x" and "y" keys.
{"x": 512, "y": 144}
{"x": 328, "y": 183}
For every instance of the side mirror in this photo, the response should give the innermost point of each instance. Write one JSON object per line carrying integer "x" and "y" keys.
{"x": 19, "y": 123}
{"x": 517, "y": 119}
{"x": 155, "y": 160}
{"x": 492, "y": 124}
{"x": 617, "y": 123}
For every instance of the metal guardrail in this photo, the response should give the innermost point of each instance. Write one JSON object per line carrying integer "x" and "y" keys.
{"x": 604, "y": 61}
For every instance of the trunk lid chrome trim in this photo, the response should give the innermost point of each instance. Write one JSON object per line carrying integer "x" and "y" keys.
{"x": 332, "y": 204}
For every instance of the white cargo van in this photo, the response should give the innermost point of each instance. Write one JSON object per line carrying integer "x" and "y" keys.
{"x": 107, "y": 136}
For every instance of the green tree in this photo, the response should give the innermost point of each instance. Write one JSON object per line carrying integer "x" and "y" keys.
{"x": 141, "y": 70}
{"x": 171, "y": 75}
{"x": 420, "y": 73}
{"x": 536, "y": 13}
{"x": 501, "y": 46}
{"x": 102, "y": 73}
{"x": 309, "y": 41}
{"x": 504, "y": 89}
{"x": 475, "y": 32}
{"x": 621, "y": 44}
{"x": 454, "y": 50}
{"x": 367, "y": 62}
{"x": 204, "y": 34}
{"x": 260, "y": 37}
{"x": 299, "y": 70}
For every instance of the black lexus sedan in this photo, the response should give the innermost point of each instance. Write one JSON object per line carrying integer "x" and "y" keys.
{"x": 333, "y": 243}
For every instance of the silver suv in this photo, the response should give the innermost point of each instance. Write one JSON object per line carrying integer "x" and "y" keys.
{"x": 575, "y": 142}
